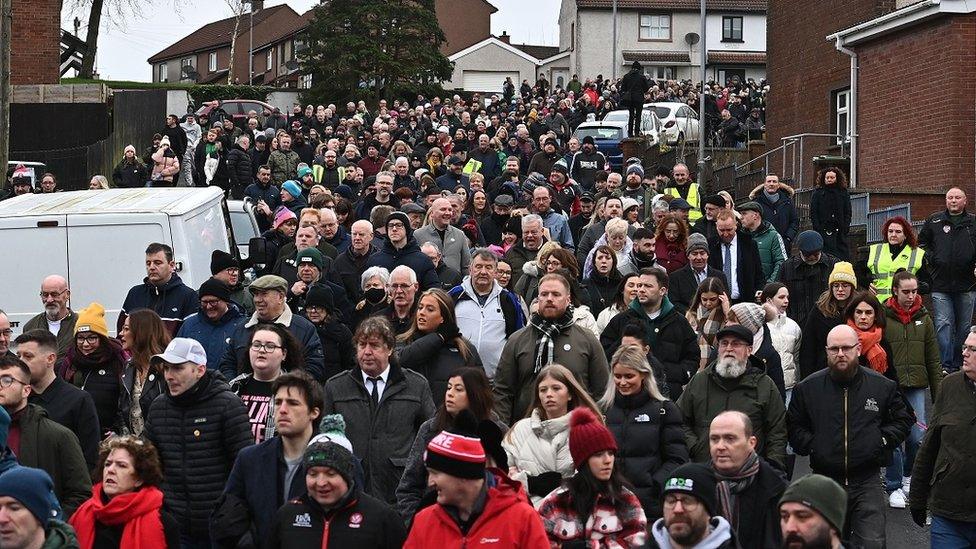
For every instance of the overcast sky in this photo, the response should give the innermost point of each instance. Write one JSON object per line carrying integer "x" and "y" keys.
{"x": 123, "y": 49}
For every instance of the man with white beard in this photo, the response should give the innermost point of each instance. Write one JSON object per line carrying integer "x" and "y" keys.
{"x": 735, "y": 381}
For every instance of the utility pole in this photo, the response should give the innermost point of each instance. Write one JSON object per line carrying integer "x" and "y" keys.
{"x": 613, "y": 60}
{"x": 250, "y": 48}
{"x": 6, "y": 22}
{"x": 701, "y": 101}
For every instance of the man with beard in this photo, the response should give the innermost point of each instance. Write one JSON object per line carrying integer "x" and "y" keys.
{"x": 327, "y": 171}
{"x": 510, "y": 181}
{"x": 685, "y": 281}
{"x": 57, "y": 318}
{"x": 875, "y": 421}
{"x": 578, "y": 221}
{"x": 642, "y": 253}
{"x": 381, "y": 195}
{"x": 691, "y": 518}
{"x": 544, "y": 160}
{"x": 811, "y": 513}
{"x": 634, "y": 188}
{"x": 736, "y": 380}
{"x": 586, "y": 162}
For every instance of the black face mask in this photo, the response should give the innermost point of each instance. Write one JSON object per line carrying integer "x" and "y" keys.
{"x": 375, "y": 296}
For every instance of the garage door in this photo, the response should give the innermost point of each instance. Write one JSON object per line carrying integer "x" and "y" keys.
{"x": 487, "y": 81}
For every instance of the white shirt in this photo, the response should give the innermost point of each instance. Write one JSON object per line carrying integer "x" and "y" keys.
{"x": 380, "y": 385}
{"x": 54, "y": 326}
{"x": 734, "y": 280}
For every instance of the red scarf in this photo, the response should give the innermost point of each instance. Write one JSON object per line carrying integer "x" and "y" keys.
{"x": 904, "y": 316}
{"x": 138, "y": 511}
{"x": 871, "y": 348}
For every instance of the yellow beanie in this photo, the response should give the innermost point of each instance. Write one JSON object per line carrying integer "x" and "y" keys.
{"x": 843, "y": 272}
{"x": 92, "y": 319}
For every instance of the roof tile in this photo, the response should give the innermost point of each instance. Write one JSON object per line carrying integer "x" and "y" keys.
{"x": 212, "y": 35}
{"x": 657, "y": 56}
{"x": 727, "y": 5}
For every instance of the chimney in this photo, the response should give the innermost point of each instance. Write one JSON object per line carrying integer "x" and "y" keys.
{"x": 505, "y": 37}
{"x": 257, "y": 5}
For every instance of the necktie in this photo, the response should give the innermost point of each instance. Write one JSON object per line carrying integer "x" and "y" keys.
{"x": 374, "y": 394}
{"x": 727, "y": 264}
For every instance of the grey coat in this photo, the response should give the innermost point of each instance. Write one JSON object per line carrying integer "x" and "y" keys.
{"x": 454, "y": 247}
{"x": 381, "y": 437}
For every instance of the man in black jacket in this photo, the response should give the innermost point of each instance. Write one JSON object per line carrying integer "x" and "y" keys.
{"x": 239, "y": 167}
{"x": 685, "y": 281}
{"x": 632, "y": 89}
{"x": 176, "y": 134}
{"x": 848, "y": 419}
{"x": 198, "y": 426}
{"x": 806, "y": 275}
{"x": 162, "y": 291}
{"x": 401, "y": 248}
{"x": 736, "y": 254}
{"x": 349, "y": 265}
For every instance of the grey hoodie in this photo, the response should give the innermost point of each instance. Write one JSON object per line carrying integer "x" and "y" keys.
{"x": 720, "y": 535}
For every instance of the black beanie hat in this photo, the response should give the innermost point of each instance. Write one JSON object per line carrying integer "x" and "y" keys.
{"x": 402, "y": 217}
{"x": 220, "y": 260}
{"x": 491, "y": 436}
{"x": 215, "y": 288}
{"x": 320, "y": 296}
{"x": 697, "y": 480}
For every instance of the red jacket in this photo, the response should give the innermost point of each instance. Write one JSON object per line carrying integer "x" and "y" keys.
{"x": 507, "y": 521}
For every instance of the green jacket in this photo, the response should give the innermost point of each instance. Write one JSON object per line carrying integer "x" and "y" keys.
{"x": 46, "y": 444}
{"x": 66, "y": 334}
{"x": 943, "y": 478}
{"x": 772, "y": 251}
{"x": 916, "y": 349}
{"x": 284, "y": 166}
{"x": 754, "y": 394}
{"x": 60, "y": 535}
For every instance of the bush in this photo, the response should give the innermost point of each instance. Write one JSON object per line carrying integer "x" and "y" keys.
{"x": 217, "y": 92}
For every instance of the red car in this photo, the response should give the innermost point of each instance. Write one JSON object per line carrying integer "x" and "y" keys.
{"x": 235, "y": 108}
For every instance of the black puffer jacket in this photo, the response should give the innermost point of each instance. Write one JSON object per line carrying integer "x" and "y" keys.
{"x": 337, "y": 348}
{"x": 411, "y": 256}
{"x": 347, "y": 270}
{"x": 847, "y": 429}
{"x": 153, "y": 386}
{"x": 806, "y": 283}
{"x": 239, "y": 170}
{"x": 602, "y": 291}
{"x": 651, "y": 444}
{"x": 101, "y": 378}
{"x": 950, "y": 251}
{"x": 198, "y": 434}
{"x": 813, "y": 356}
{"x": 431, "y": 357}
{"x": 358, "y": 520}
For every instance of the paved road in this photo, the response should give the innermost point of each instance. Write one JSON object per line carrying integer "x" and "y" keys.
{"x": 902, "y": 532}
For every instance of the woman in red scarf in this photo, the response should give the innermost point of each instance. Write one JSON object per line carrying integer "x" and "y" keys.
{"x": 865, "y": 315}
{"x": 126, "y": 507}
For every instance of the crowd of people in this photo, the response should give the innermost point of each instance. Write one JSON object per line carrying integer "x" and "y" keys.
{"x": 473, "y": 336}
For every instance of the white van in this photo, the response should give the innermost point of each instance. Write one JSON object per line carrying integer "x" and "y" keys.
{"x": 97, "y": 240}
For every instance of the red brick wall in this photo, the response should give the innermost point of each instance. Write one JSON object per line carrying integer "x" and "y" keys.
{"x": 464, "y": 22}
{"x": 921, "y": 134}
{"x": 35, "y": 42}
{"x": 803, "y": 68}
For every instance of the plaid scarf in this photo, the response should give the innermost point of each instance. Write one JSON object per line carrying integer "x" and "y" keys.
{"x": 730, "y": 486}
{"x": 548, "y": 331}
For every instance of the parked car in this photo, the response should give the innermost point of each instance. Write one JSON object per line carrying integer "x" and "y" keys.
{"x": 235, "y": 108}
{"x": 680, "y": 121}
{"x": 608, "y": 133}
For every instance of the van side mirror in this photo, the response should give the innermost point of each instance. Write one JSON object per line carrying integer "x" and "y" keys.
{"x": 257, "y": 251}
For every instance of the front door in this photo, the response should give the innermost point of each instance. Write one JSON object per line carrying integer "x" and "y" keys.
{"x": 560, "y": 78}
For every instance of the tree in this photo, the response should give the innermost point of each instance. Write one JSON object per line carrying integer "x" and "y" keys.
{"x": 237, "y": 8}
{"x": 373, "y": 48}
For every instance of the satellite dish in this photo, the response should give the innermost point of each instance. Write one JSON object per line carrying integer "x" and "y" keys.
{"x": 692, "y": 38}
{"x": 291, "y": 65}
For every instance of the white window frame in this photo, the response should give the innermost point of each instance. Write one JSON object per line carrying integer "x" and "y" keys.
{"x": 212, "y": 62}
{"x": 842, "y": 115}
{"x": 305, "y": 81}
{"x": 163, "y": 72}
{"x": 269, "y": 58}
{"x": 660, "y": 72}
{"x": 654, "y": 27}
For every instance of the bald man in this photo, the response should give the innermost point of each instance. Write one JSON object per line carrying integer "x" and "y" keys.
{"x": 57, "y": 318}
{"x": 451, "y": 240}
{"x": 848, "y": 419}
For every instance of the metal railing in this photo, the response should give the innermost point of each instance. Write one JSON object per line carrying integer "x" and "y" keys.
{"x": 860, "y": 206}
{"x": 792, "y": 153}
{"x": 876, "y": 219}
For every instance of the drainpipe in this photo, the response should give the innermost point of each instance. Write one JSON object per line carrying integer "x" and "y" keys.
{"x": 855, "y": 68}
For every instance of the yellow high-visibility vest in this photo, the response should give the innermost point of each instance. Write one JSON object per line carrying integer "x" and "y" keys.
{"x": 883, "y": 267}
{"x": 694, "y": 198}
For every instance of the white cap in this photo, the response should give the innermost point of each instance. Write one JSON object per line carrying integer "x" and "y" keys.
{"x": 444, "y": 129}
{"x": 181, "y": 350}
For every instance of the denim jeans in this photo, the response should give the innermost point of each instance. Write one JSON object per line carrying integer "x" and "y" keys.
{"x": 952, "y": 534}
{"x": 903, "y": 458}
{"x": 866, "y": 504}
{"x": 953, "y": 315}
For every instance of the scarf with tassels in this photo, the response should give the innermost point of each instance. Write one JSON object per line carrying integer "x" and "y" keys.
{"x": 137, "y": 512}
{"x": 730, "y": 486}
{"x": 871, "y": 347}
{"x": 548, "y": 331}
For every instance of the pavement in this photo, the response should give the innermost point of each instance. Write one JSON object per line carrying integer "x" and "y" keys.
{"x": 901, "y": 531}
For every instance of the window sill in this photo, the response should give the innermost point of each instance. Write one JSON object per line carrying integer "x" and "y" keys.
{"x": 740, "y": 41}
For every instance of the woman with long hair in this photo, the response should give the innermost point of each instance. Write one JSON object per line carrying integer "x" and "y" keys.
{"x": 898, "y": 252}
{"x": 784, "y": 332}
{"x": 827, "y": 313}
{"x": 126, "y": 507}
{"x": 143, "y": 335}
{"x": 538, "y": 445}
{"x": 616, "y": 238}
{"x": 707, "y": 314}
{"x": 467, "y": 389}
{"x": 601, "y": 284}
{"x": 626, "y": 292}
{"x": 343, "y": 211}
{"x": 671, "y": 242}
{"x": 550, "y": 258}
{"x": 866, "y": 317}
{"x": 648, "y": 450}
{"x": 594, "y": 508}
{"x": 830, "y": 212}
{"x": 433, "y": 345}
{"x": 478, "y": 207}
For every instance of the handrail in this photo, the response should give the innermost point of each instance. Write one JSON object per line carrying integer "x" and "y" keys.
{"x": 763, "y": 155}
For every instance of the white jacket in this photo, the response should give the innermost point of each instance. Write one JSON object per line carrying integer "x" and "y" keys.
{"x": 786, "y": 335}
{"x": 606, "y": 315}
{"x": 535, "y": 446}
{"x": 484, "y": 326}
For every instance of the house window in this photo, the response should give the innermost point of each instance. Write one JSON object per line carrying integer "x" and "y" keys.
{"x": 732, "y": 29}
{"x": 842, "y": 115}
{"x": 212, "y": 64}
{"x": 269, "y": 59}
{"x": 305, "y": 81}
{"x": 163, "y": 72}
{"x": 655, "y": 27}
{"x": 661, "y": 73}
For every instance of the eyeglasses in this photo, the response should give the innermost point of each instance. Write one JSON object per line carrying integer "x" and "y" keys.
{"x": 90, "y": 339}
{"x": 689, "y": 504}
{"x": 7, "y": 381}
{"x": 394, "y": 225}
{"x": 207, "y": 303}
{"x": 403, "y": 287}
{"x": 266, "y": 347}
{"x": 732, "y": 343}
{"x": 45, "y": 295}
{"x": 6, "y": 333}
{"x": 839, "y": 349}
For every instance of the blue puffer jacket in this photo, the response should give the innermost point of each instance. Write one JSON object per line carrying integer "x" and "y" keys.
{"x": 213, "y": 336}
{"x": 173, "y": 302}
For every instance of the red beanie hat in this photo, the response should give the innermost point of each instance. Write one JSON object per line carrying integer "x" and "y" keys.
{"x": 587, "y": 436}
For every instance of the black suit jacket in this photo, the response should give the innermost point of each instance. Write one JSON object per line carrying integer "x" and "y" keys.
{"x": 684, "y": 285}
{"x": 748, "y": 266}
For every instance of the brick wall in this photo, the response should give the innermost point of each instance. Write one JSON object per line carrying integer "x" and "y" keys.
{"x": 922, "y": 132}
{"x": 804, "y": 69}
{"x": 35, "y": 42}
{"x": 464, "y": 22}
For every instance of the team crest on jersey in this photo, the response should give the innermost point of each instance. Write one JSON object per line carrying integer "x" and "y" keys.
{"x": 356, "y": 520}
{"x": 303, "y": 520}
{"x": 871, "y": 405}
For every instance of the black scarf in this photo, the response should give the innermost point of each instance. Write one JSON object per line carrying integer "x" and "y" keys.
{"x": 548, "y": 331}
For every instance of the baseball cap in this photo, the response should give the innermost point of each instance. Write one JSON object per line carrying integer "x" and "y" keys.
{"x": 180, "y": 350}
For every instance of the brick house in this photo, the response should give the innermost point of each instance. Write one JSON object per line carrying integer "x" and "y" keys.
{"x": 35, "y": 42}
{"x": 656, "y": 32}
